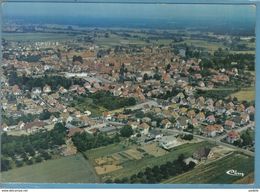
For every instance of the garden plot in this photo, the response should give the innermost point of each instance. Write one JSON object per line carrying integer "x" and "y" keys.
{"x": 154, "y": 150}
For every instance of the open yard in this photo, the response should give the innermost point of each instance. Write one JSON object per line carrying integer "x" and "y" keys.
{"x": 72, "y": 169}
{"x": 215, "y": 172}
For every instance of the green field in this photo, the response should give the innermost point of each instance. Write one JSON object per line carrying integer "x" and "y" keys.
{"x": 34, "y": 36}
{"x": 245, "y": 94}
{"x": 215, "y": 172}
{"x": 134, "y": 166}
{"x": 72, "y": 169}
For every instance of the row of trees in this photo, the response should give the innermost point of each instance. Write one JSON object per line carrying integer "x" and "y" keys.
{"x": 157, "y": 173}
{"x": 27, "y": 83}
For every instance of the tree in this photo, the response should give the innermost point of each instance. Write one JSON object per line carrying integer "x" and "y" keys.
{"x": 29, "y": 162}
{"x": 38, "y": 159}
{"x": 145, "y": 77}
{"x": 19, "y": 163}
{"x": 77, "y": 58}
{"x": 45, "y": 155}
{"x": 126, "y": 131}
{"x": 191, "y": 165}
{"x": 168, "y": 67}
{"x": 45, "y": 115}
{"x": 5, "y": 164}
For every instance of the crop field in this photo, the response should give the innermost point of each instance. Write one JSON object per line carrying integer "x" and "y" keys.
{"x": 72, "y": 169}
{"x": 215, "y": 172}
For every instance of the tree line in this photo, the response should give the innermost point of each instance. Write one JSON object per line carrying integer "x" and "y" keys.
{"x": 157, "y": 174}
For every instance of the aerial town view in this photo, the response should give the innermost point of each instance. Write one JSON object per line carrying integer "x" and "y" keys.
{"x": 119, "y": 93}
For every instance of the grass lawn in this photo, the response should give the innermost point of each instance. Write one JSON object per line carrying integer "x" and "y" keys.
{"x": 245, "y": 94}
{"x": 106, "y": 150}
{"x": 215, "y": 172}
{"x": 71, "y": 169}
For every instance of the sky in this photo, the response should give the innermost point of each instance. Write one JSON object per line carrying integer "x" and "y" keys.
{"x": 159, "y": 11}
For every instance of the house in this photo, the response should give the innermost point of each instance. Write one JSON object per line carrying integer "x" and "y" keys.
{"x": 250, "y": 110}
{"x": 219, "y": 104}
{"x": 166, "y": 123}
{"x": 210, "y": 131}
{"x": 202, "y": 153}
{"x": 133, "y": 124}
{"x": 107, "y": 115}
{"x": 191, "y": 100}
{"x": 244, "y": 118}
{"x": 169, "y": 142}
{"x": 219, "y": 128}
{"x": 229, "y": 111}
{"x": 87, "y": 85}
{"x": 47, "y": 89}
{"x": 201, "y": 84}
{"x": 233, "y": 136}
{"x": 81, "y": 90}
{"x": 191, "y": 114}
{"x": 183, "y": 110}
{"x": 156, "y": 134}
{"x": 200, "y": 116}
{"x": 211, "y": 119}
{"x": 200, "y": 102}
{"x": 16, "y": 90}
{"x": 229, "y": 124}
{"x": 220, "y": 78}
{"x": 220, "y": 110}
{"x": 241, "y": 108}
{"x": 145, "y": 128}
{"x": 73, "y": 88}
{"x": 209, "y": 102}
{"x": 230, "y": 105}
{"x": 62, "y": 90}
{"x": 193, "y": 122}
{"x": 182, "y": 122}
{"x": 20, "y": 125}
{"x": 197, "y": 76}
